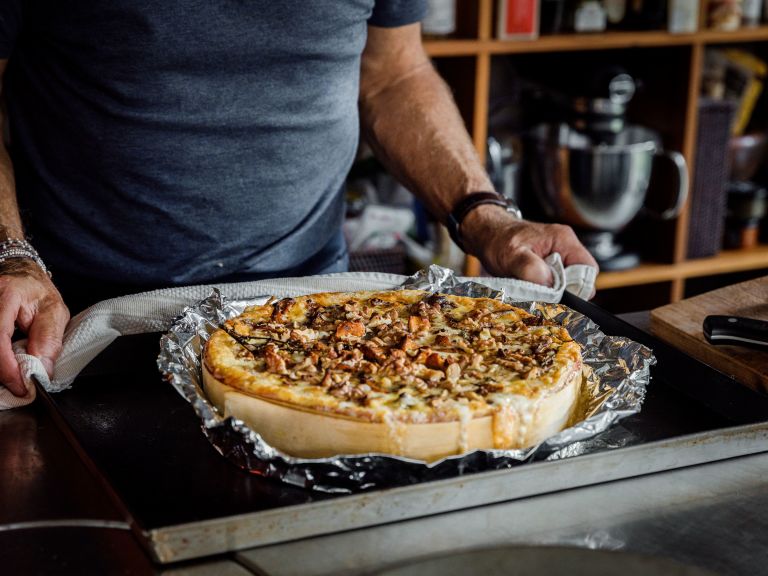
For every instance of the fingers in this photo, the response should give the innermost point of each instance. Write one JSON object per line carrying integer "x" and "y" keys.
{"x": 526, "y": 265}
{"x": 46, "y": 333}
{"x": 9, "y": 367}
{"x": 570, "y": 247}
{"x": 518, "y": 248}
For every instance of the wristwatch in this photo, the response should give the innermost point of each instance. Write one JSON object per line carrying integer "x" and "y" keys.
{"x": 469, "y": 203}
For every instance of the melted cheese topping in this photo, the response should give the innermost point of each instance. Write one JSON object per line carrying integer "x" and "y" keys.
{"x": 398, "y": 356}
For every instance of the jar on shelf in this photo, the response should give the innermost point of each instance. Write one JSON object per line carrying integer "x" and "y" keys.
{"x": 590, "y": 16}
{"x": 683, "y": 16}
{"x": 725, "y": 14}
{"x": 440, "y": 19}
{"x": 752, "y": 10}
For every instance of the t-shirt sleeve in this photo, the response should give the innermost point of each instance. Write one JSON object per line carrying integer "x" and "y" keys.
{"x": 393, "y": 13}
{"x": 10, "y": 25}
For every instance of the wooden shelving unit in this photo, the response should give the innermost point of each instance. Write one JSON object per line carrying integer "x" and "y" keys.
{"x": 604, "y": 41}
{"x": 474, "y": 51}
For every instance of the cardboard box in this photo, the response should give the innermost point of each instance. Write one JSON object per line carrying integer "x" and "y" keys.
{"x": 518, "y": 19}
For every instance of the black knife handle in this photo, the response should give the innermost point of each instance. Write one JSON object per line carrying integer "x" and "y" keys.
{"x": 736, "y": 331}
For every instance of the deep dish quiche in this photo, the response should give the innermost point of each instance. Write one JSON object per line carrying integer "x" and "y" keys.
{"x": 400, "y": 372}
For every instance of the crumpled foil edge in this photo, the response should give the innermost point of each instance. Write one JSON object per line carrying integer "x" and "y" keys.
{"x": 617, "y": 370}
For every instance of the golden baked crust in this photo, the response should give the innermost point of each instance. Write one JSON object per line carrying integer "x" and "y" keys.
{"x": 404, "y": 356}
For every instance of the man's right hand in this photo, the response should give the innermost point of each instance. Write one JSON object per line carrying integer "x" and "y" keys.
{"x": 29, "y": 301}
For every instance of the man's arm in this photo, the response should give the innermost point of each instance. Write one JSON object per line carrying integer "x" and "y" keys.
{"x": 409, "y": 118}
{"x": 28, "y": 299}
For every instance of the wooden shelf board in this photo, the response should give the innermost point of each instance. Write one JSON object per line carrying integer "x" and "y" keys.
{"x": 577, "y": 42}
{"x": 601, "y": 41}
{"x": 756, "y": 34}
{"x": 724, "y": 263}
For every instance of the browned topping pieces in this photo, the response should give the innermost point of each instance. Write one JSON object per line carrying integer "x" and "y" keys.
{"x": 534, "y": 372}
{"x": 453, "y": 372}
{"x": 348, "y": 330}
{"x": 297, "y": 336}
{"x": 471, "y": 395}
{"x": 280, "y": 308}
{"x": 305, "y": 367}
{"x": 408, "y": 343}
{"x": 241, "y": 328}
{"x": 373, "y": 351}
{"x": 436, "y": 361}
{"x": 275, "y": 362}
{"x": 367, "y": 367}
{"x": 534, "y": 321}
{"x": 543, "y": 345}
{"x": 327, "y": 380}
{"x": 442, "y": 340}
{"x": 432, "y": 375}
{"x": 439, "y": 301}
{"x": 417, "y": 324}
{"x": 359, "y": 351}
{"x": 515, "y": 365}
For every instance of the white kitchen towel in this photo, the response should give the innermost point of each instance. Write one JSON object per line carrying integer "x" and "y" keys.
{"x": 94, "y": 329}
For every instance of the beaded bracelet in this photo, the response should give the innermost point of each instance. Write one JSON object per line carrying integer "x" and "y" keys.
{"x": 15, "y": 248}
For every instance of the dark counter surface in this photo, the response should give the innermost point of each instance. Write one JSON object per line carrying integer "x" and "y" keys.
{"x": 56, "y": 515}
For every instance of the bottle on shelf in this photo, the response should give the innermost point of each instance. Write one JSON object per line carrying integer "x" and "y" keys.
{"x": 590, "y": 16}
{"x": 683, "y": 16}
{"x": 554, "y": 17}
{"x": 616, "y": 12}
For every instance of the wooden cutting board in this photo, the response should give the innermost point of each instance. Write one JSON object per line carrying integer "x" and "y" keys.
{"x": 680, "y": 324}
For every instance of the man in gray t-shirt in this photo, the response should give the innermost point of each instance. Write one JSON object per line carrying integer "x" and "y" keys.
{"x": 181, "y": 142}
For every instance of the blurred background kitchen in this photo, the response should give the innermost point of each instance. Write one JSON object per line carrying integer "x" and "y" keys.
{"x": 641, "y": 123}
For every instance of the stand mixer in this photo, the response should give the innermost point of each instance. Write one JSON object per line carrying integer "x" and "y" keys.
{"x": 592, "y": 172}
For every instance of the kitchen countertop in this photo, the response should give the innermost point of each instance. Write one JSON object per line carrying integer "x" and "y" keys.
{"x": 56, "y": 518}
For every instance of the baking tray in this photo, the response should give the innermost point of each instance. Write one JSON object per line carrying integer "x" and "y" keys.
{"x": 185, "y": 501}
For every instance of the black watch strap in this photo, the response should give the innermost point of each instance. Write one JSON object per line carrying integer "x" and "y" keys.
{"x": 465, "y": 206}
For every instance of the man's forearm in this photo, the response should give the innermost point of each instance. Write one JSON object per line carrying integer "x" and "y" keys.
{"x": 416, "y": 130}
{"x": 10, "y": 222}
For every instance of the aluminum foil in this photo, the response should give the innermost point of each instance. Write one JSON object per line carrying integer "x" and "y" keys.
{"x": 617, "y": 373}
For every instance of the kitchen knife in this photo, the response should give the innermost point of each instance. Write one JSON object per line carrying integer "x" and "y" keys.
{"x": 736, "y": 331}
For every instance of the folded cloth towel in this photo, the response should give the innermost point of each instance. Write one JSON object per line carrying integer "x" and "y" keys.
{"x": 94, "y": 329}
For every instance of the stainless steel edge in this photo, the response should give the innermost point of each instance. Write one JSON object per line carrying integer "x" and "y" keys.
{"x": 194, "y": 540}
{"x": 67, "y": 523}
{"x": 713, "y": 515}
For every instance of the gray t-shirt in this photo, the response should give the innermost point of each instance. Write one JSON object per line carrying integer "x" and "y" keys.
{"x": 182, "y": 141}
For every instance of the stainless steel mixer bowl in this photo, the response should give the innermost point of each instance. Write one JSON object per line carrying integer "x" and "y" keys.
{"x": 593, "y": 186}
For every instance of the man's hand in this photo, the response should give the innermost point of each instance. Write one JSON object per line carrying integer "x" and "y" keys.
{"x": 28, "y": 298}
{"x": 510, "y": 247}
{"x": 29, "y": 301}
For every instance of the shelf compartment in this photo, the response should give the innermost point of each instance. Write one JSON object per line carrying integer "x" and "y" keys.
{"x": 726, "y": 262}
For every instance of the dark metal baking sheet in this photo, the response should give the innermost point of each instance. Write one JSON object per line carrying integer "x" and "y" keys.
{"x": 145, "y": 442}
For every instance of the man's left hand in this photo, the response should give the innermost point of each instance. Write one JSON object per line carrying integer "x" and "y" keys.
{"x": 516, "y": 248}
